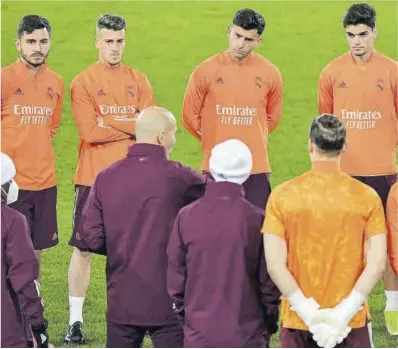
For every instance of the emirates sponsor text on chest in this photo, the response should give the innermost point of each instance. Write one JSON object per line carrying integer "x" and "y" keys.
{"x": 33, "y": 114}
{"x": 118, "y": 112}
{"x": 361, "y": 120}
{"x": 233, "y": 115}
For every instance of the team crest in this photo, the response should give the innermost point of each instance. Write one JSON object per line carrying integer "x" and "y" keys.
{"x": 258, "y": 82}
{"x": 380, "y": 84}
{"x": 130, "y": 91}
{"x": 50, "y": 93}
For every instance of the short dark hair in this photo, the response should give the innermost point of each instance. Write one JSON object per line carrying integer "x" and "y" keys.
{"x": 249, "y": 19}
{"x": 111, "y": 22}
{"x": 31, "y": 23}
{"x": 328, "y": 133}
{"x": 360, "y": 14}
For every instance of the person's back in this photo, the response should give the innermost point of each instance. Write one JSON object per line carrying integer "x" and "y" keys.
{"x": 217, "y": 274}
{"x": 325, "y": 245}
{"x": 138, "y": 214}
{"x": 224, "y": 253}
{"x": 129, "y": 215}
{"x": 326, "y": 213}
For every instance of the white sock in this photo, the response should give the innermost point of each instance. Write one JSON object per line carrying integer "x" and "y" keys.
{"x": 392, "y": 300}
{"x": 75, "y": 309}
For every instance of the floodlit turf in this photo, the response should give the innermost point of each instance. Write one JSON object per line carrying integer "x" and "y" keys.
{"x": 166, "y": 40}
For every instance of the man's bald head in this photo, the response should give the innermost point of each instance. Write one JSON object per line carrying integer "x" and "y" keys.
{"x": 156, "y": 125}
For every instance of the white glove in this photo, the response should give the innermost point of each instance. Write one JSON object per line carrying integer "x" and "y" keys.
{"x": 324, "y": 332}
{"x": 306, "y": 308}
{"x": 335, "y": 321}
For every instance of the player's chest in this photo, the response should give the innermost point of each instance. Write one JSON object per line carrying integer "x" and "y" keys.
{"x": 35, "y": 95}
{"x": 115, "y": 91}
{"x": 363, "y": 85}
{"x": 241, "y": 85}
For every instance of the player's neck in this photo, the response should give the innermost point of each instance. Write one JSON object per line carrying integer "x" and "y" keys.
{"x": 362, "y": 59}
{"x": 323, "y": 164}
{"x": 107, "y": 64}
{"x": 237, "y": 60}
{"x": 34, "y": 70}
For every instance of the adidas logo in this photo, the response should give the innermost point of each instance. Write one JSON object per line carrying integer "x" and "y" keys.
{"x": 342, "y": 84}
{"x": 101, "y": 92}
{"x": 219, "y": 80}
{"x": 18, "y": 92}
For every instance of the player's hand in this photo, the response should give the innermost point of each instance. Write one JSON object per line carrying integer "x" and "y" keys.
{"x": 100, "y": 120}
{"x": 40, "y": 336}
{"x": 306, "y": 309}
{"x": 327, "y": 328}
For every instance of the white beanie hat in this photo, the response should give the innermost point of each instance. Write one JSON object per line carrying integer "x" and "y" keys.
{"x": 231, "y": 161}
{"x": 7, "y": 169}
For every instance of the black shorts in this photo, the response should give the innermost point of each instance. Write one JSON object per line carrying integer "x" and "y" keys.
{"x": 40, "y": 209}
{"x": 81, "y": 195}
{"x": 381, "y": 184}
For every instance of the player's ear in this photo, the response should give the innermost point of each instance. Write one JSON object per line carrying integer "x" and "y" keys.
{"x": 310, "y": 146}
{"x": 96, "y": 42}
{"x": 345, "y": 146}
{"x": 229, "y": 31}
{"x": 160, "y": 138}
{"x": 375, "y": 33}
{"x": 18, "y": 45}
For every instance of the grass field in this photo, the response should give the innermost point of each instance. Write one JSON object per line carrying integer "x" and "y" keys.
{"x": 166, "y": 40}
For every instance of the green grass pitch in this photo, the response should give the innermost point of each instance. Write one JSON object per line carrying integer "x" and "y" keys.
{"x": 166, "y": 40}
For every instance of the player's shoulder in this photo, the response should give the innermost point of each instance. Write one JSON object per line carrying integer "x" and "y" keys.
{"x": 85, "y": 75}
{"x": 264, "y": 62}
{"x": 183, "y": 171}
{"x": 211, "y": 64}
{"x": 8, "y": 69}
{"x": 133, "y": 71}
{"x": 361, "y": 190}
{"x": 385, "y": 60}
{"x": 337, "y": 63}
{"x": 186, "y": 213}
{"x": 286, "y": 188}
{"x": 111, "y": 170}
{"x": 52, "y": 74}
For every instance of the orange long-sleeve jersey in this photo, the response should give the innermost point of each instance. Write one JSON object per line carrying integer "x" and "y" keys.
{"x": 392, "y": 226}
{"x": 225, "y": 99}
{"x": 117, "y": 94}
{"x": 31, "y": 110}
{"x": 365, "y": 98}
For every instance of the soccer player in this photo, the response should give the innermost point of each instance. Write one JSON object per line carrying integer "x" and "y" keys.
{"x": 315, "y": 230}
{"x": 237, "y": 94}
{"x": 217, "y": 275}
{"x": 129, "y": 219}
{"x": 105, "y": 99}
{"x": 31, "y": 107}
{"x": 361, "y": 88}
{"x": 19, "y": 270}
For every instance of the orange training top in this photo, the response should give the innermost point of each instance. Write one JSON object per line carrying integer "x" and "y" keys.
{"x": 31, "y": 109}
{"x": 117, "y": 94}
{"x": 325, "y": 216}
{"x": 365, "y": 98}
{"x": 225, "y": 99}
{"x": 392, "y": 226}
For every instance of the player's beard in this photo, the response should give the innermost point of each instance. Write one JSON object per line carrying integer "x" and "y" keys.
{"x": 34, "y": 65}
